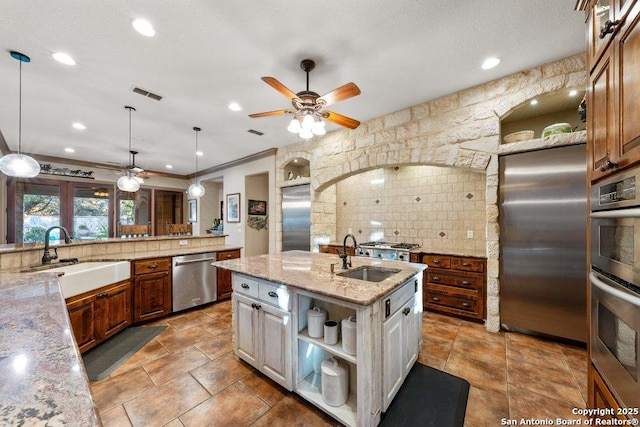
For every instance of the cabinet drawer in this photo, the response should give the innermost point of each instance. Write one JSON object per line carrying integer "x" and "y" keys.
{"x": 224, "y": 255}
{"x": 398, "y": 298}
{"x": 277, "y": 295}
{"x": 467, "y": 264}
{"x": 246, "y": 285}
{"x": 471, "y": 281}
{"x": 463, "y": 304}
{"x": 151, "y": 265}
{"x": 438, "y": 261}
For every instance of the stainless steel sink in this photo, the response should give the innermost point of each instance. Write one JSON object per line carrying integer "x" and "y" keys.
{"x": 370, "y": 273}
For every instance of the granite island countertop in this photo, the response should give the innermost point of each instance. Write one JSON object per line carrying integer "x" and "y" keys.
{"x": 312, "y": 272}
{"x": 42, "y": 377}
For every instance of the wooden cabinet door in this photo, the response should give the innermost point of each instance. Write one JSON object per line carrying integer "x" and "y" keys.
{"x": 152, "y": 296}
{"x": 82, "y": 314}
{"x": 246, "y": 328}
{"x": 628, "y": 89}
{"x": 223, "y": 276}
{"x": 115, "y": 305}
{"x": 601, "y": 128}
{"x": 600, "y": 396}
{"x": 275, "y": 344}
{"x": 392, "y": 357}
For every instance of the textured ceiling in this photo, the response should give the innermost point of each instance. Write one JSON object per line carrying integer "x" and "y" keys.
{"x": 207, "y": 53}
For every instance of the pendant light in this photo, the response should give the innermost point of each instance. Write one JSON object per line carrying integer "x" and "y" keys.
{"x": 128, "y": 182}
{"x": 196, "y": 190}
{"x": 18, "y": 164}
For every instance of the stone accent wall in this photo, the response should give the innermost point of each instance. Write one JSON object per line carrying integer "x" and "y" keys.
{"x": 458, "y": 130}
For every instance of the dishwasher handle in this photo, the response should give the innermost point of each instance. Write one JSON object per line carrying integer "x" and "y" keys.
{"x": 194, "y": 261}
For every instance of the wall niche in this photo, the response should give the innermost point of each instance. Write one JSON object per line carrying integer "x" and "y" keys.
{"x": 296, "y": 169}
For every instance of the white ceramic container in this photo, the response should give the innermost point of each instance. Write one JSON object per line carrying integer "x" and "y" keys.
{"x": 315, "y": 322}
{"x": 335, "y": 382}
{"x": 349, "y": 341}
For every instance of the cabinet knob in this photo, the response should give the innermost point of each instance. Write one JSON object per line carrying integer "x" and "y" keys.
{"x": 465, "y": 282}
{"x": 466, "y": 264}
{"x": 152, "y": 266}
{"x": 435, "y": 278}
{"x": 435, "y": 299}
{"x": 435, "y": 261}
{"x": 608, "y": 28}
{"x": 466, "y": 304}
{"x": 406, "y": 311}
{"x": 245, "y": 286}
{"x": 272, "y": 294}
{"x": 608, "y": 164}
{"x": 229, "y": 256}
{"x": 258, "y": 306}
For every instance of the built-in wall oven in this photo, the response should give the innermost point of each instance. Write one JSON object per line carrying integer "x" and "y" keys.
{"x": 615, "y": 284}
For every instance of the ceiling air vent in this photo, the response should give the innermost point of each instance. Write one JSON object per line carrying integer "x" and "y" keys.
{"x": 147, "y": 93}
{"x": 257, "y": 132}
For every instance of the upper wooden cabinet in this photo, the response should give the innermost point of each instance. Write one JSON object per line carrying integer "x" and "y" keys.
{"x": 613, "y": 131}
{"x": 604, "y": 19}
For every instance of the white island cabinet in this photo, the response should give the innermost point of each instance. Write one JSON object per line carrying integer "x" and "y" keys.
{"x": 271, "y": 297}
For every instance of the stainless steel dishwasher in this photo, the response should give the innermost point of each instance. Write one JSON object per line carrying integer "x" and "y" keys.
{"x": 194, "y": 280}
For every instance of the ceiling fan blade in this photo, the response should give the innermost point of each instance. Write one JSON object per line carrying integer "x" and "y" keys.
{"x": 341, "y": 120}
{"x": 270, "y": 113}
{"x": 340, "y": 94}
{"x": 279, "y": 87}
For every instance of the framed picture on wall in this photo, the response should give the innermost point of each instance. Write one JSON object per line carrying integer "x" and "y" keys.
{"x": 257, "y": 207}
{"x": 193, "y": 210}
{"x": 233, "y": 207}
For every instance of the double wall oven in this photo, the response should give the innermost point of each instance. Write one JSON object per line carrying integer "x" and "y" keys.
{"x": 615, "y": 284}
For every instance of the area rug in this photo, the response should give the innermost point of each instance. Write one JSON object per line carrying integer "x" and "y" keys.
{"x": 428, "y": 397}
{"x": 103, "y": 359}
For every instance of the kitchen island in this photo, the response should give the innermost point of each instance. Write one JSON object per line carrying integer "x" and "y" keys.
{"x": 272, "y": 295}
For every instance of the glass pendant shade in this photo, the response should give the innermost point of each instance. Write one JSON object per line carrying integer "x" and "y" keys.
{"x": 19, "y": 165}
{"x": 294, "y": 126}
{"x": 128, "y": 183}
{"x": 196, "y": 190}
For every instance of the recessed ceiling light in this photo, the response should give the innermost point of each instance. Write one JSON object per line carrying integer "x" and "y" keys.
{"x": 234, "y": 106}
{"x": 79, "y": 126}
{"x": 69, "y": 150}
{"x": 63, "y": 58}
{"x": 144, "y": 27}
{"x": 573, "y": 92}
{"x": 534, "y": 102}
{"x": 490, "y": 63}
{"x": 169, "y": 166}
{"x": 199, "y": 153}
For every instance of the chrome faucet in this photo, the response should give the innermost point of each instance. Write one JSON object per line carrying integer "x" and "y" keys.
{"x": 46, "y": 258}
{"x": 344, "y": 255}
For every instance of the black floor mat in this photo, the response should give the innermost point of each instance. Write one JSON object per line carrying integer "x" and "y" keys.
{"x": 103, "y": 359}
{"x": 428, "y": 397}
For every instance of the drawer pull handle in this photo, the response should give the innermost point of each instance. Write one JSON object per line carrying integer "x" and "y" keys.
{"x": 466, "y": 304}
{"x": 466, "y": 264}
{"x": 102, "y": 295}
{"x": 258, "y": 306}
{"x": 406, "y": 311}
{"x": 609, "y": 27}
{"x": 435, "y": 261}
{"x": 152, "y": 266}
{"x": 465, "y": 282}
{"x": 245, "y": 286}
{"x": 436, "y": 278}
{"x": 272, "y": 294}
{"x": 229, "y": 256}
{"x": 435, "y": 299}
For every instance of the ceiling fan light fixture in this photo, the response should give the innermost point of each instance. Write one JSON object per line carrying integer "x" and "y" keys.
{"x": 18, "y": 164}
{"x": 307, "y": 122}
{"x": 294, "y": 126}
{"x": 318, "y": 128}
{"x": 306, "y": 134}
{"x": 128, "y": 183}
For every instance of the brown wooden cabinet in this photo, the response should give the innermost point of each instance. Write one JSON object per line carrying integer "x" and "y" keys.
{"x": 454, "y": 284}
{"x": 335, "y": 249}
{"x": 99, "y": 314}
{"x": 599, "y": 395}
{"x": 613, "y": 131}
{"x": 223, "y": 278}
{"x": 151, "y": 288}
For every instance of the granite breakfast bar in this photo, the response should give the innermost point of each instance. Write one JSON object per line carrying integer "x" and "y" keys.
{"x": 272, "y": 295}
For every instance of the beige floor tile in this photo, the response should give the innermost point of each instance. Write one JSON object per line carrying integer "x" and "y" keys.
{"x": 114, "y": 391}
{"x": 175, "y": 364}
{"x": 174, "y": 340}
{"x": 218, "y": 374}
{"x": 291, "y": 411}
{"x": 115, "y": 417}
{"x": 167, "y": 402}
{"x": 152, "y": 351}
{"x": 219, "y": 324}
{"x": 483, "y": 350}
{"x": 482, "y": 375}
{"x": 431, "y": 361}
{"x": 234, "y": 406}
{"x": 485, "y": 409}
{"x": 527, "y": 404}
{"x": 267, "y": 390}
{"x": 187, "y": 320}
{"x": 439, "y": 329}
{"x": 549, "y": 347}
{"x": 216, "y": 346}
{"x": 436, "y": 347}
{"x": 442, "y": 318}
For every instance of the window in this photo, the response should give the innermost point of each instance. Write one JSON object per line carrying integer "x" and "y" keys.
{"x": 91, "y": 217}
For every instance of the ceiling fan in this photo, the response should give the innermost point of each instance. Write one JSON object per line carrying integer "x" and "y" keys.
{"x": 136, "y": 170}
{"x": 308, "y": 106}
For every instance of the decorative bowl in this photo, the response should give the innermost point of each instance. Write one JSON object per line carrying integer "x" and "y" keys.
{"x": 523, "y": 135}
{"x": 557, "y": 128}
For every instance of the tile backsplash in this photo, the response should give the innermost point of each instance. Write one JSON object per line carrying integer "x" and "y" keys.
{"x": 437, "y": 207}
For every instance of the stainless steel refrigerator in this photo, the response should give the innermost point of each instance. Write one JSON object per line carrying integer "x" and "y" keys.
{"x": 543, "y": 226}
{"x": 296, "y": 217}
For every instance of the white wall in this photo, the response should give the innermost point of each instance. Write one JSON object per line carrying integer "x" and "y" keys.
{"x": 257, "y": 240}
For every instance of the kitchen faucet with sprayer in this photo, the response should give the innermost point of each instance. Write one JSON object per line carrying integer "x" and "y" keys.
{"x": 343, "y": 255}
{"x": 46, "y": 258}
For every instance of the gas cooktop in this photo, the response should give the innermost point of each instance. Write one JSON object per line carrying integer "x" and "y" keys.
{"x": 380, "y": 244}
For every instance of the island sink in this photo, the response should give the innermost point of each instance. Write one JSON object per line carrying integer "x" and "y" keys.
{"x": 370, "y": 273}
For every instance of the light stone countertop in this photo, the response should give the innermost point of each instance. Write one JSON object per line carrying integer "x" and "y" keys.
{"x": 312, "y": 272}
{"x": 42, "y": 377}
